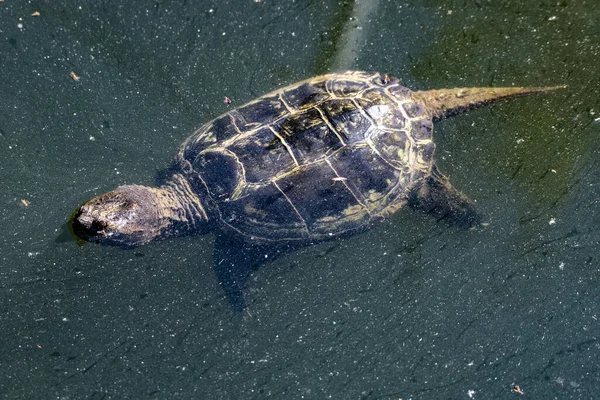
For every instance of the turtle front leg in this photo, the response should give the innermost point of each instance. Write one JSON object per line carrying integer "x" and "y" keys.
{"x": 436, "y": 196}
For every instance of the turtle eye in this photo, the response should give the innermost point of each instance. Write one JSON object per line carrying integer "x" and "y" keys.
{"x": 97, "y": 227}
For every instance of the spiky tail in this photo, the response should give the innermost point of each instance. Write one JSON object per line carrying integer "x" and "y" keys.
{"x": 446, "y": 102}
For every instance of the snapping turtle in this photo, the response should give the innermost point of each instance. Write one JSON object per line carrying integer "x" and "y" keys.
{"x": 316, "y": 160}
{"x": 312, "y": 161}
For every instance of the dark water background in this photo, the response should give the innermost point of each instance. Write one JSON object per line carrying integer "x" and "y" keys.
{"x": 412, "y": 309}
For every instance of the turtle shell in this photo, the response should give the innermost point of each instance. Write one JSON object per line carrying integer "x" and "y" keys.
{"x": 313, "y": 160}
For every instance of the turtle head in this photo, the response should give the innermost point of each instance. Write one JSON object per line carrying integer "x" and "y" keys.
{"x": 126, "y": 216}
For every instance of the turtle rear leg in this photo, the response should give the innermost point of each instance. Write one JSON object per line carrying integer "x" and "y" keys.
{"x": 436, "y": 196}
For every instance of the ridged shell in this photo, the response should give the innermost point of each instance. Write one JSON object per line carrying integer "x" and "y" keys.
{"x": 312, "y": 160}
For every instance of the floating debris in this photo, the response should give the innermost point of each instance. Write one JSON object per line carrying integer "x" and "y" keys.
{"x": 74, "y": 76}
{"x": 517, "y": 389}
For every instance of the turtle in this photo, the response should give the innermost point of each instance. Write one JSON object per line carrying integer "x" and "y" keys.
{"x": 319, "y": 159}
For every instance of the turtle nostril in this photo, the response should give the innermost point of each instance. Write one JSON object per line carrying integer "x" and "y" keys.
{"x": 79, "y": 228}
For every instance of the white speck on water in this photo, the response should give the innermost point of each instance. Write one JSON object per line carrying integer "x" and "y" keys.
{"x": 552, "y": 221}
{"x": 553, "y": 18}
{"x": 92, "y": 138}
{"x": 561, "y": 266}
{"x": 471, "y": 393}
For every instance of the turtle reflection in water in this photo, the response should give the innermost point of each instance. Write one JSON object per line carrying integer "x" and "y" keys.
{"x": 313, "y": 161}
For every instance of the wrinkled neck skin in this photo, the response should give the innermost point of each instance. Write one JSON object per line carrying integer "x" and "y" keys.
{"x": 132, "y": 215}
{"x": 178, "y": 209}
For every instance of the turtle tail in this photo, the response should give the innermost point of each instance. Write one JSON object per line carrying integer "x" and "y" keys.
{"x": 447, "y": 102}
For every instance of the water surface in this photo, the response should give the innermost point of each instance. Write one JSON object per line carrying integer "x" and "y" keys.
{"x": 411, "y": 309}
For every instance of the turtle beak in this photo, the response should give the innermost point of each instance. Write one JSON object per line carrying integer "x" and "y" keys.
{"x": 87, "y": 227}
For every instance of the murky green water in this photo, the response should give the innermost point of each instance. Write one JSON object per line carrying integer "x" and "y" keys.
{"x": 411, "y": 309}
